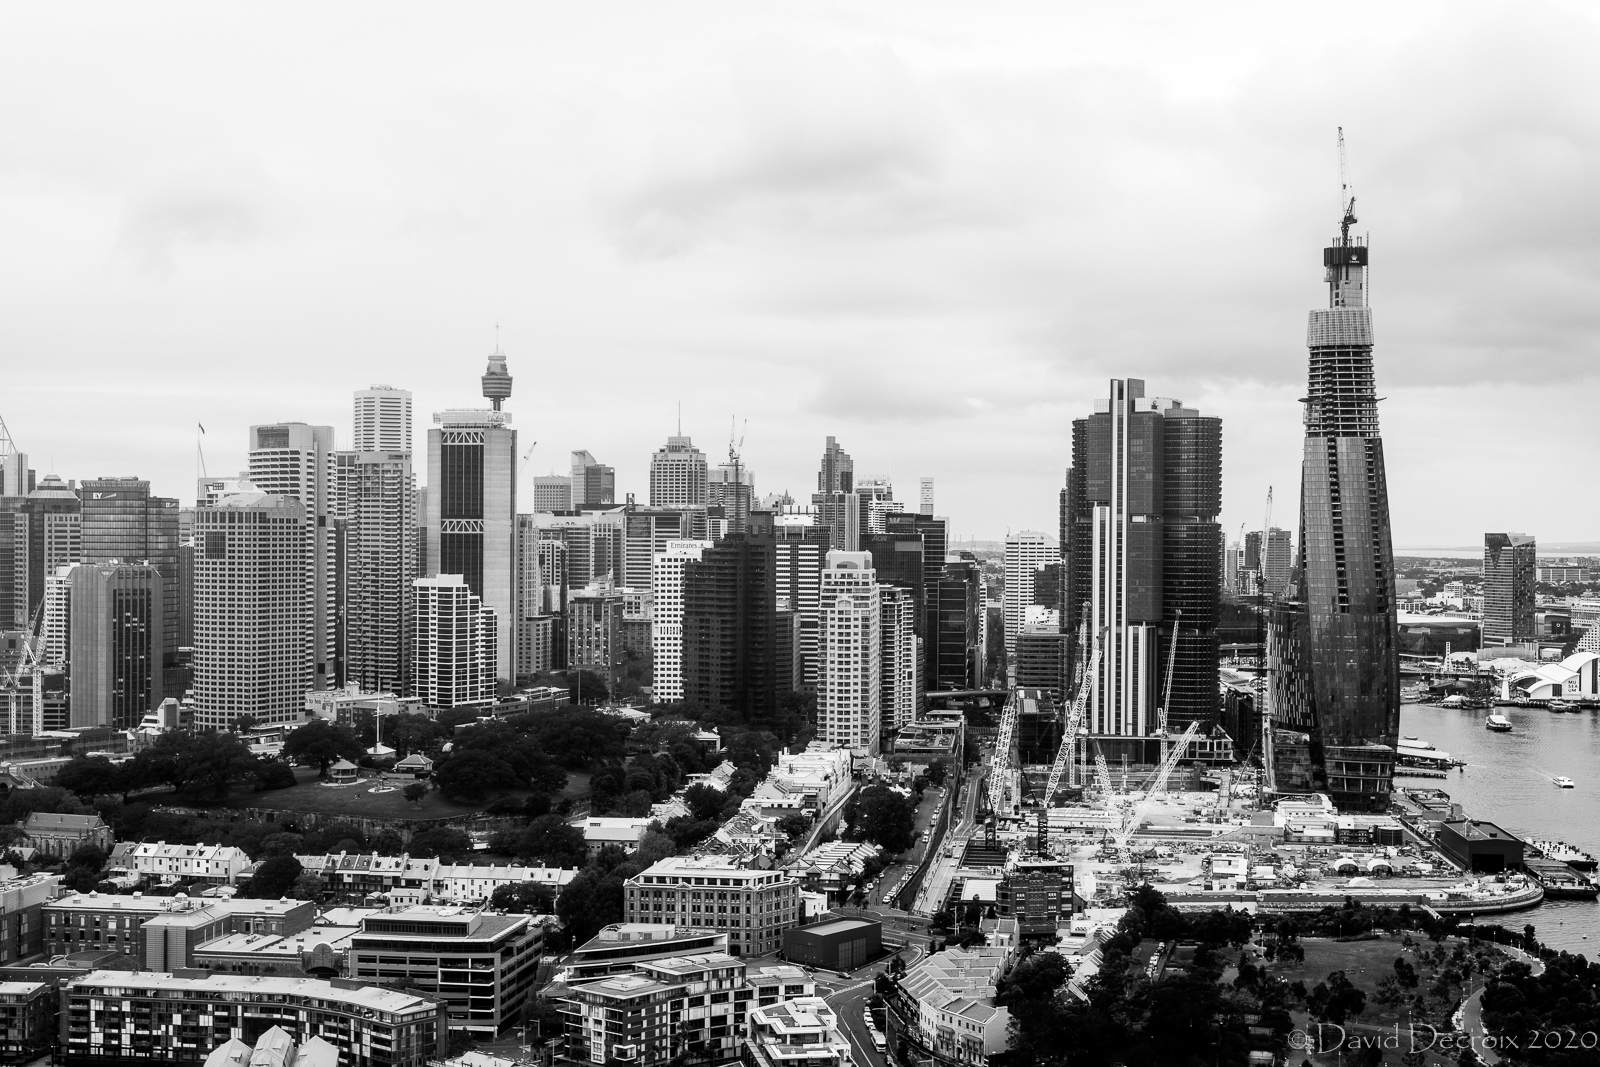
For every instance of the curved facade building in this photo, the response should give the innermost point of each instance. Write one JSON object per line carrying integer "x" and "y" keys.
{"x": 1335, "y": 648}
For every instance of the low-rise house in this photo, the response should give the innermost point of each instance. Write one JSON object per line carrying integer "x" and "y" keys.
{"x": 368, "y": 874}
{"x": 944, "y": 1008}
{"x": 275, "y": 1048}
{"x": 467, "y": 882}
{"x": 218, "y": 864}
{"x": 832, "y": 868}
{"x": 804, "y": 1032}
{"x": 622, "y": 831}
{"x": 416, "y": 764}
{"x": 62, "y": 835}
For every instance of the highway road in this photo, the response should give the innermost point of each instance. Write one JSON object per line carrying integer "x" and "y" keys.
{"x": 942, "y": 871}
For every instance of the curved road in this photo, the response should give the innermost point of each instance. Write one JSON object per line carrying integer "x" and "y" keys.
{"x": 1472, "y": 1011}
{"x": 849, "y": 996}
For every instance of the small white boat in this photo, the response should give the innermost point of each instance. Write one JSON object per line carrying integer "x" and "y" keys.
{"x": 1564, "y": 782}
{"x": 1561, "y": 705}
{"x": 1497, "y": 722}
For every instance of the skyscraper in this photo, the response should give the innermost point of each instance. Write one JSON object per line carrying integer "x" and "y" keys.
{"x": 956, "y": 659}
{"x": 552, "y": 492}
{"x": 850, "y": 654}
{"x": 1510, "y": 562}
{"x": 1277, "y": 562}
{"x": 594, "y": 485}
{"x": 297, "y": 460}
{"x": 925, "y": 500}
{"x": 472, "y": 507}
{"x": 666, "y": 624}
{"x": 251, "y": 624}
{"x": 454, "y": 656}
{"x": 800, "y": 551}
{"x": 48, "y": 535}
{"x": 729, "y": 617}
{"x": 899, "y": 688}
{"x": 380, "y": 566}
{"x": 1025, "y": 553}
{"x": 116, "y": 643}
{"x": 678, "y": 474}
{"x": 838, "y": 507}
{"x": 122, "y": 523}
{"x": 382, "y": 420}
{"x": 731, "y": 486}
{"x": 1141, "y": 564}
{"x": 1334, "y": 654}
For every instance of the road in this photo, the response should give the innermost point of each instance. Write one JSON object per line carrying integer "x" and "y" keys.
{"x": 849, "y": 997}
{"x": 1472, "y": 1011}
{"x": 936, "y": 884}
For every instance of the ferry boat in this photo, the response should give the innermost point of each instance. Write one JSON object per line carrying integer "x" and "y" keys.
{"x": 1414, "y": 752}
{"x": 1563, "y": 782}
{"x": 1561, "y": 852}
{"x": 1561, "y": 882}
{"x": 1497, "y": 722}
{"x": 1561, "y": 705}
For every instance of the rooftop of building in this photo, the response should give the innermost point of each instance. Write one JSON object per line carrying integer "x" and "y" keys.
{"x": 722, "y": 865}
{"x": 43, "y": 821}
{"x": 180, "y": 904}
{"x": 376, "y": 998}
{"x": 1482, "y": 830}
{"x": 838, "y": 926}
{"x": 19, "y": 988}
{"x": 693, "y": 964}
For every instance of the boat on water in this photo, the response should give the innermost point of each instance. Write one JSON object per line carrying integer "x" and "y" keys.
{"x": 1497, "y": 722}
{"x": 1411, "y": 752}
{"x": 1560, "y": 881}
{"x": 1561, "y": 852}
{"x": 1563, "y": 782}
{"x": 1561, "y": 705}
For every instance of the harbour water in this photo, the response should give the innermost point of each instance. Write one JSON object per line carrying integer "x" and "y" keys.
{"x": 1507, "y": 780}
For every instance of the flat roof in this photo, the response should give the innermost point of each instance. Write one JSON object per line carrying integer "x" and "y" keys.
{"x": 375, "y": 997}
{"x": 838, "y": 926}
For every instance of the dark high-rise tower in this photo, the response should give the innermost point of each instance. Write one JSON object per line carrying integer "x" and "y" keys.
{"x": 1334, "y": 648}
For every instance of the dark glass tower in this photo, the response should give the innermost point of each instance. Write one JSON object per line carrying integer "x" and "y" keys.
{"x": 1334, "y": 651}
{"x": 729, "y": 615}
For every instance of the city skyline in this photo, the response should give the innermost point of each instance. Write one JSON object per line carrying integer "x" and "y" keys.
{"x": 186, "y": 241}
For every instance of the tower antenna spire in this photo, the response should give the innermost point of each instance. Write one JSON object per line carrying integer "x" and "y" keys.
{"x": 1347, "y": 198}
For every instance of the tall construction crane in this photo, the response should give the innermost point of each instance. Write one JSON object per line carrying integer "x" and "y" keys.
{"x": 1347, "y": 198}
{"x": 27, "y": 672}
{"x": 1075, "y": 717}
{"x": 1166, "y": 692}
{"x": 1000, "y": 767}
{"x": 1264, "y": 683}
{"x": 1158, "y": 785}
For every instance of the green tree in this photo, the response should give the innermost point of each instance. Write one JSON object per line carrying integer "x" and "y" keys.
{"x": 275, "y": 774}
{"x": 320, "y": 743}
{"x": 275, "y": 878}
{"x": 524, "y": 898}
{"x": 442, "y": 841}
{"x": 883, "y": 816}
{"x": 1336, "y": 999}
{"x": 548, "y": 841}
{"x": 92, "y": 776}
{"x": 415, "y": 792}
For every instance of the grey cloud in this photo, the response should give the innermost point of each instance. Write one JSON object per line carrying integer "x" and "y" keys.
{"x": 210, "y": 199}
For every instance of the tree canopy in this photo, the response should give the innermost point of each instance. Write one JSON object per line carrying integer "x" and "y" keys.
{"x": 320, "y": 743}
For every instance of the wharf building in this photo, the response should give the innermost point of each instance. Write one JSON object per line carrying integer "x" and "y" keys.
{"x": 252, "y": 647}
{"x": 471, "y": 514}
{"x": 480, "y": 965}
{"x": 124, "y": 1019}
{"x": 1510, "y": 564}
{"x": 120, "y": 522}
{"x": 1333, "y": 648}
{"x": 1141, "y": 565}
{"x": 753, "y": 907}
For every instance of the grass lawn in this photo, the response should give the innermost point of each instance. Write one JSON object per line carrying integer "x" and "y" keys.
{"x": 313, "y": 796}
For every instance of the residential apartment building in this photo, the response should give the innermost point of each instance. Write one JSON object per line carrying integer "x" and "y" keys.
{"x": 454, "y": 658}
{"x": 252, "y": 646}
{"x": 754, "y": 907}
{"x": 97, "y": 922}
{"x": 901, "y": 654}
{"x": 1025, "y": 554}
{"x": 850, "y": 651}
{"x": 293, "y": 459}
{"x": 661, "y": 1009}
{"x": 382, "y": 420}
{"x": 800, "y": 551}
{"x": 1510, "y": 561}
{"x": 22, "y": 924}
{"x": 27, "y": 1015}
{"x": 131, "y": 1019}
{"x": 666, "y": 626}
{"x": 944, "y": 1008}
{"x": 804, "y": 1032}
{"x": 480, "y": 965}
{"x": 381, "y": 561}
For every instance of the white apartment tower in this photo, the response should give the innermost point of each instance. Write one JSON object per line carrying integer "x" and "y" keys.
{"x": 454, "y": 657}
{"x": 666, "y": 626}
{"x": 1026, "y": 552}
{"x": 382, "y": 420}
{"x": 297, "y": 460}
{"x": 252, "y": 639}
{"x": 902, "y": 658}
{"x": 678, "y": 474}
{"x": 56, "y": 635}
{"x": 380, "y": 565}
{"x": 850, "y": 654}
{"x": 925, "y": 502}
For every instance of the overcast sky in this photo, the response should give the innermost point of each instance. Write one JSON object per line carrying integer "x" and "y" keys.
{"x": 931, "y": 230}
